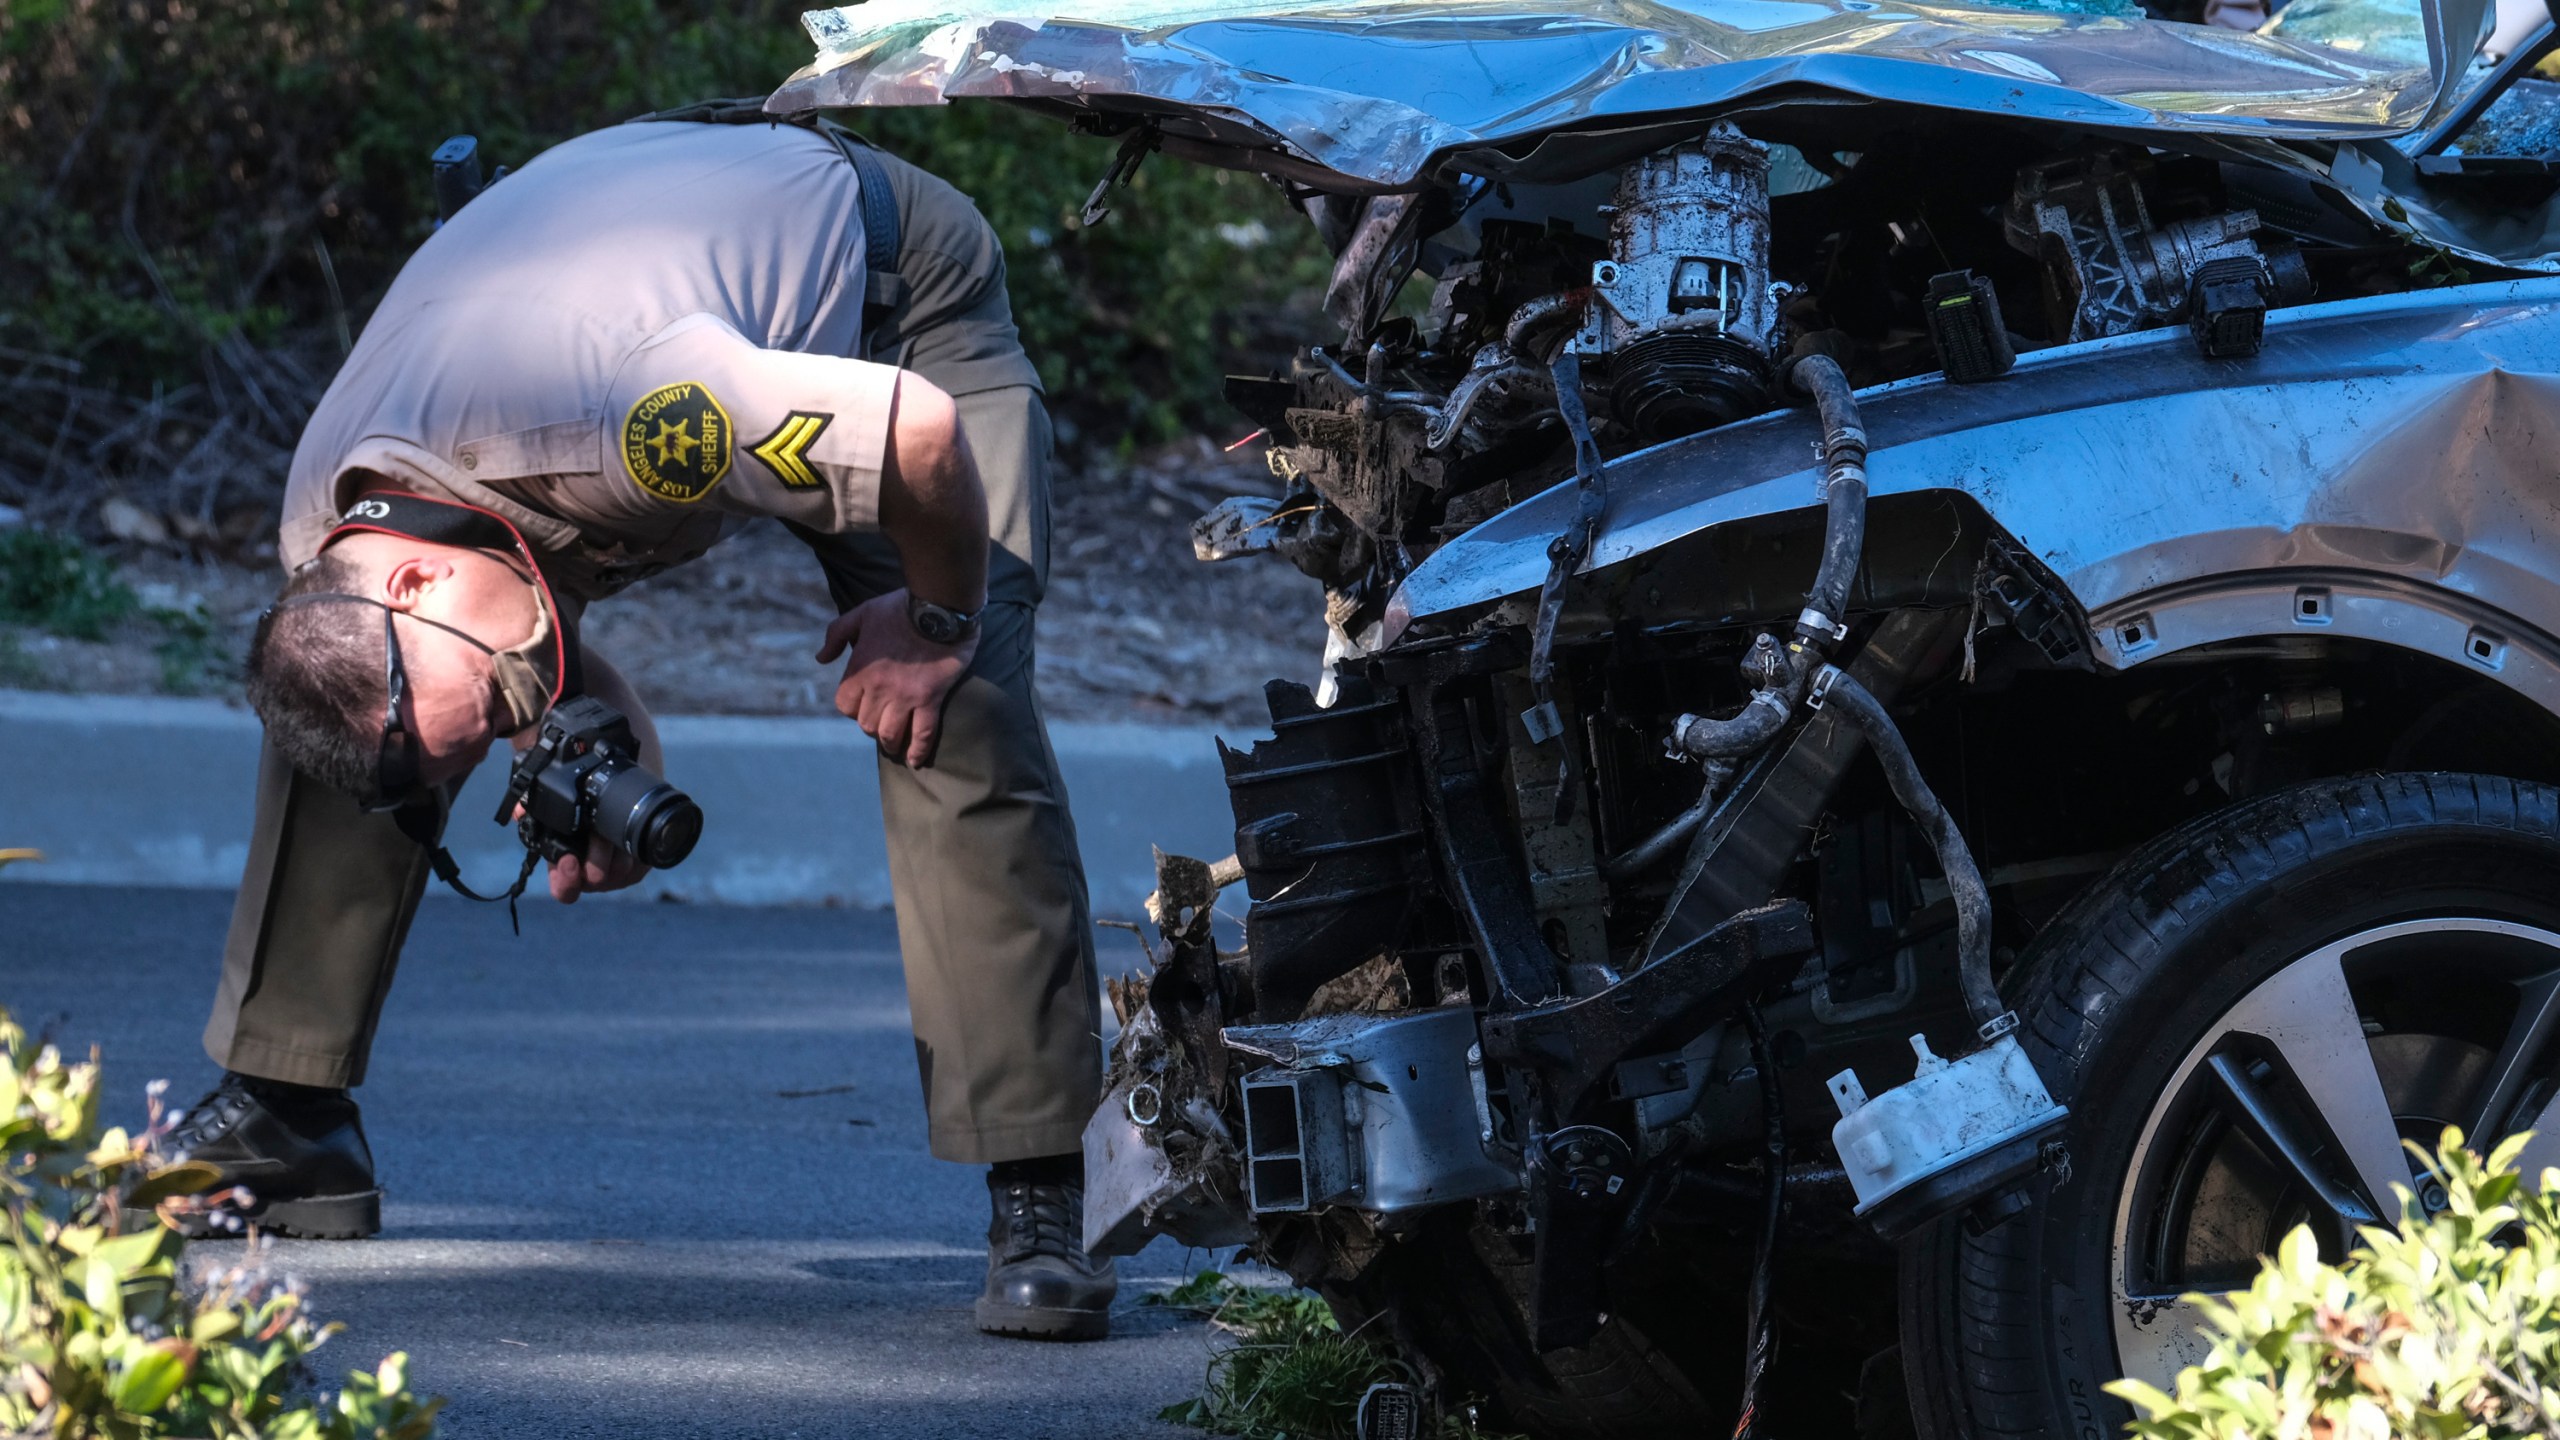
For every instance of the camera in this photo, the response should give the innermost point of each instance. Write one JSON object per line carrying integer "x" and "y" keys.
{"x": 583, "y": 777}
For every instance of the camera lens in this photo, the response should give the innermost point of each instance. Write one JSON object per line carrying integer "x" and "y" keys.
{"x": 670, "y": 827}
{"x": 653, "y": 821}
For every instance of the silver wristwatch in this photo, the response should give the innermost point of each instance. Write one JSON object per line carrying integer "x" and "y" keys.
{"x": 940, "y": 624}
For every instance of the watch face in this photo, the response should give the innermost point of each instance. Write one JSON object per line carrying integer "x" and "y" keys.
{"x": 936, "y": 624}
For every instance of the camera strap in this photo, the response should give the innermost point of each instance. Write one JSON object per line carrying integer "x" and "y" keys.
{"x": 423, "y": 820}
{"x": 449, "y": 871}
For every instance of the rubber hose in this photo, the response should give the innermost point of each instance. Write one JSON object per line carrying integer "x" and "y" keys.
{"x": 1844, "y": 454}
{"x": 1964, "y": 878}
{"x": 1844, "y": 543}
{"x": 1738, "y": 735}
{"x": 1648, "y": 852}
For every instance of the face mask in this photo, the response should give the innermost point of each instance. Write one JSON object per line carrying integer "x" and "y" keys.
{"x": 525, "y": 691}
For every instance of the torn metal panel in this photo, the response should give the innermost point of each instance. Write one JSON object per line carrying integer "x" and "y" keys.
{"x": 1379, "y": 92}
{"x": 1136, "y": 1190}
{"x": 2304, "y": 460}
{"x": 1158, "y": 1159}
{"x": 1396, "y": 95}
{"x": 2476, "y": 224}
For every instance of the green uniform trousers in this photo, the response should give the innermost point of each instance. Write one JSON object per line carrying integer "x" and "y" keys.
{"x": 993, "y": 922}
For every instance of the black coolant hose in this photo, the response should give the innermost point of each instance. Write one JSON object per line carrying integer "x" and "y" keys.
{"x": 1844, "y": 488}
{"x": 1844, "y": 540}
{"x": 1649, "y": 852}
{"x": 1964, "y": 878}
{"x": 1743, "y": 734}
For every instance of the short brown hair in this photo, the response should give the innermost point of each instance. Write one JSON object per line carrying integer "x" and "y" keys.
{"x": 315, "y": 677}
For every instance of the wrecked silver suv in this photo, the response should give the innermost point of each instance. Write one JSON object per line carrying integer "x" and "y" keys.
{"x": 1940, "y": 683}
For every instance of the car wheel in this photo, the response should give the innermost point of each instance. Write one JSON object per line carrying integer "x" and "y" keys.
{"x": 2246, "y": 1018}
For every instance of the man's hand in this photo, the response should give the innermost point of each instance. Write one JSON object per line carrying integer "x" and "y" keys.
{"x": 894, "y": 680}
{"x": 604, "y": 868}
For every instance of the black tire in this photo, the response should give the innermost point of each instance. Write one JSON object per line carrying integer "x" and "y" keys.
{"x": 2010, "y": 1333}
{"x": 1459, "y": 1293}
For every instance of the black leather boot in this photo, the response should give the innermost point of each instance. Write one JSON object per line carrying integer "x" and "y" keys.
{"x": 1040, "y": 1283}
{"x": 298, "y": 1151}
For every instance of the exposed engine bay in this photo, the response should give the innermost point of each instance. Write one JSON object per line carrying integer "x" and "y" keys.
{"x": 1580, "y": 921}
{"x": 1681, "y": 283}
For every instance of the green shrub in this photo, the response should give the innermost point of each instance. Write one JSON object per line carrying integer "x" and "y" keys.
{"x": 54, "y": 582}
{"x": 104, "y": 1335}
{"x": 1285, "y": 1370}
{"x": 2447, "y": 1326}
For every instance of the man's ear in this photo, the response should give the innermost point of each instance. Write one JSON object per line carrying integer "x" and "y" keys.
{"x": 413, "y": 578}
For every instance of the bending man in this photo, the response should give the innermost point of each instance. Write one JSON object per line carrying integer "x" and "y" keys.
{"x": 638, "y": 343}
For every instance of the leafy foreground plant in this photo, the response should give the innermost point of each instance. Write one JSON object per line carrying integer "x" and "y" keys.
{"x": 104, "y": 1333}
{"x": 2448, "y": 1326}
{"x": 1289, "y": 1373}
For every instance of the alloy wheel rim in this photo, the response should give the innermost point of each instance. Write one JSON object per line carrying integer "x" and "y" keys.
{"x": 2292, "y": 1106}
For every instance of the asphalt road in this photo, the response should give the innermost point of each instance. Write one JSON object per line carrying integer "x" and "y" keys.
{"x": 605, "y": 1215}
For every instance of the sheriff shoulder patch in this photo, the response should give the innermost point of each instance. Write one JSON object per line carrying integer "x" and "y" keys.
{"x": 786, "y": 450}
{"x": 676, "y": 442}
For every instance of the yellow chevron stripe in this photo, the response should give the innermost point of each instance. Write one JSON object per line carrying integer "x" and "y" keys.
{"x": 786, "y": 450}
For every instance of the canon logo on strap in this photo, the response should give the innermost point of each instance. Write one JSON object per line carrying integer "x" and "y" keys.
{"x": 369, "y": 510}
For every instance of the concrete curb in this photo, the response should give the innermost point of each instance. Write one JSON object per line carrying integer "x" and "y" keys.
{"x": 129, "y": 790}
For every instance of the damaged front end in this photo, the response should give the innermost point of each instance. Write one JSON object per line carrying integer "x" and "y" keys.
{"x": 1835, "y": 509}
{"x": 1469, "y": 976}
{"x": 1630, "y": 904}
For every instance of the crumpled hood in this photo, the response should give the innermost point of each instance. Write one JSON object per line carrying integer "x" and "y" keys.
{"x": 1379, "y": 91}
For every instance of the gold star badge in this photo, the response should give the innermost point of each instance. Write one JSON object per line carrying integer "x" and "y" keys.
{"x": 673, "y": 440}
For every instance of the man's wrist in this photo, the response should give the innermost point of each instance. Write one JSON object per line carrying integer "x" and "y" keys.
{"x": 941, "y": 624}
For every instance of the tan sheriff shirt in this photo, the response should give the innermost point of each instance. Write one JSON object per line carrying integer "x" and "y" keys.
{"x": 630, "y": 347}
